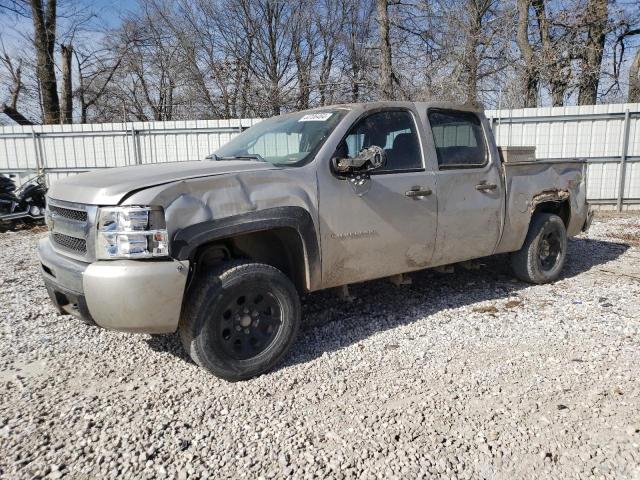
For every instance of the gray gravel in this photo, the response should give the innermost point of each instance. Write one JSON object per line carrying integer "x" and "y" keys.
{"x": 464, "y": 375}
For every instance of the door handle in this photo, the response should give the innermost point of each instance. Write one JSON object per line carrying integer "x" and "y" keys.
{"x": 484, "y": 186}
{"x": 418, "y": 192}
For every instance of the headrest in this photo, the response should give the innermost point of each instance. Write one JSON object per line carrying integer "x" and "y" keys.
{"x": 404, "y": 141}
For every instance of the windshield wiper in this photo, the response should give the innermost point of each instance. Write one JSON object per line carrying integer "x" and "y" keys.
{"x": 246, "y": 156}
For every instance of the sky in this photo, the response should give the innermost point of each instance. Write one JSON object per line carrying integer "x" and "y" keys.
{"x": 108, "y": 14}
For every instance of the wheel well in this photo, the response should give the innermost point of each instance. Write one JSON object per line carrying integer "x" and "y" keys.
{"x": 281, "y": 248}
{"x": 562, "y": 208}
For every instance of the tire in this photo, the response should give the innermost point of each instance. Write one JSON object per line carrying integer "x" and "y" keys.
{"x": 240, "y": 319}
{"x": 541, "y": 258}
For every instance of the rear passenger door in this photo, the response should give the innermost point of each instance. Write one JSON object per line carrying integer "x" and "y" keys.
{"x": 470, "y": 190}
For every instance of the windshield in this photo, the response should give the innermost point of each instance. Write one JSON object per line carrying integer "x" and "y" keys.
{"x": 291, "y": 139}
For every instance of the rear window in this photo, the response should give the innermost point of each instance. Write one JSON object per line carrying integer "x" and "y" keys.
{"x": 459, "y": 139}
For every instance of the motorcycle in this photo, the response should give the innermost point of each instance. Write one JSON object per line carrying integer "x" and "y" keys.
{"x": 23, "y": 205}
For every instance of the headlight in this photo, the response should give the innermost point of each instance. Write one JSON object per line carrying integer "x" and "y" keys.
{"x": 131, "y": 232}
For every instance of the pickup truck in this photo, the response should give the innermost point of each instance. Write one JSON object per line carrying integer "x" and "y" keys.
{"x": 220, "y": 249}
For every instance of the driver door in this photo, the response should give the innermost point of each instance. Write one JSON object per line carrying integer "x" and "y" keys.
{"x": 376, "y": 226}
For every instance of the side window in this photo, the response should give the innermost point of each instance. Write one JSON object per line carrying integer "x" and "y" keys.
{"x": 459, "y": 139}
{"x": 395, "y": 131}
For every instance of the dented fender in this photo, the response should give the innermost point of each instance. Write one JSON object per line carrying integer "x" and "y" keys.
{"x": 527, "y": 186}
{"x": 202, "y": 210}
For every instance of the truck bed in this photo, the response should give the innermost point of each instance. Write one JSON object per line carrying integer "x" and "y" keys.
{"x": 528, "y": 184}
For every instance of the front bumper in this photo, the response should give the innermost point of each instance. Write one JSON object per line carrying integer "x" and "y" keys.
{"x": 124, "y": 295}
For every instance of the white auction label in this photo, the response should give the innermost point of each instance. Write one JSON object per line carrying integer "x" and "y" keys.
{"x": 316, "y": 117}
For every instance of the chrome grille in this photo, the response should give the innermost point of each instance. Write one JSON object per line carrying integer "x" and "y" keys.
{"x": 78, "y": 245}
{"x": 77, "y": 215}
{"x": 71, "y": 227}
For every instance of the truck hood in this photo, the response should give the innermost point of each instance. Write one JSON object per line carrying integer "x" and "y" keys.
{"x": 110, "y": 186}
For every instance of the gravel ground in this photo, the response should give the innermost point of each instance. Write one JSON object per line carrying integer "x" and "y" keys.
{"x": 464, "y": 375}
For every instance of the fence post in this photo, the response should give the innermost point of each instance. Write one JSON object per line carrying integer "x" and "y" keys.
{"x": 36, "y": 149}
{"x": 623, "y": 158}
{"x": 135, "y": 143}
{"x": 41, "y": 159}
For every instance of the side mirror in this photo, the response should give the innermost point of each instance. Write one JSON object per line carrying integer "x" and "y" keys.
{"x": 368, "y": 160}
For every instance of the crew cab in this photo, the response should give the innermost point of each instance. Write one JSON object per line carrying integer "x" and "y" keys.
{"x": 220, "y": 249}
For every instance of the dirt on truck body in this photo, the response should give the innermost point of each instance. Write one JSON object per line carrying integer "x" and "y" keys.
{"x": 219, "y": 249}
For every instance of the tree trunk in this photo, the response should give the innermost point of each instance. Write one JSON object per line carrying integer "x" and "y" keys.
{"x": 555, "y": 63}
{"x": 246, "y": 84}
{"x": 557, "y": 93}
{"x": 44, "y": 29}
{"x": 634, "y": 79}
{"x": 16, "y": 88}
{"x": 530, "y": 76}
{"x": 84, "y": 107}
{"x": 303, "y": 68}
{"x": 67, "y": 86}
{"x": 386, "y": 70}
{"x": 471, "y": 62}
{"x": 355, "y": 86}
{"x": 273, "y": 58}
{"x": 596, "y": 16}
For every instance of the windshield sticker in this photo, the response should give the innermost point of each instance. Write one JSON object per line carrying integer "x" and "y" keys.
{"x": 316, "y": 117}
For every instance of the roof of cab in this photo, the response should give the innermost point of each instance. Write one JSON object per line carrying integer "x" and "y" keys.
{"x": 390, "y": 104}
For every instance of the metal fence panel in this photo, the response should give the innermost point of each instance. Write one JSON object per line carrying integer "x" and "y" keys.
{"x": 61, "y": 150}
{"x": 608, "y": 136}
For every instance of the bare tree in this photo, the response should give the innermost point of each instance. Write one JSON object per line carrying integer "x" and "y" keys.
{"x": 239, "y": 58}
{"x": 16, "y": 7}
{"x": 386, "y": 68}
{"x": 303, "y": 39}
{"x": 238, "y": 44}
{"x": 475, "y": 45}
{"x": 595, "y": 21}
{"x": 66, "y": 53}
{"x": 96, "y": 69}
{"x": 356, "y": 44}
{"x": 15, "y": 74}
{"x": 556, "y": 55}
{"x": 329, "y": 28}
{"x": 531, "y": 75}
{"x": 470, "y": 62}
{"x": 44, "y": 38}
{"x": 274, "y": 50}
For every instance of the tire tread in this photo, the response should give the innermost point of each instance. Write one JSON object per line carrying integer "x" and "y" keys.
{"x": 209, "y": 284}
{"x": 523, "y": 262}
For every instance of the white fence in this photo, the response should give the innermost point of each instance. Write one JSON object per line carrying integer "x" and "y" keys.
{"x": 607, "y": 135}
{"x": 60, "y": 150}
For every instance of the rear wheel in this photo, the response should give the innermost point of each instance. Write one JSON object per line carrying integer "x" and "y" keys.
{"x": 240, "y": 319}
{"x": 541, "y": 258}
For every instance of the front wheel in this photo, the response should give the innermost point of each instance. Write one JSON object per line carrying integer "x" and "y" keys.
{"x": 240, "y": 319}
{"x": 544, "y": 252}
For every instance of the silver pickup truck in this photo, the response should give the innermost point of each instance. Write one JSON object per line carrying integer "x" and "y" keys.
{"x": 220, "y": 249}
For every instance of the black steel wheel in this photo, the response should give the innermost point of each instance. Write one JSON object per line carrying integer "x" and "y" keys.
{"x": 250, "y": 321}
{"x": 549, "y": 250}
{"x": 240, "y": 320}
{"x": 541, "y": 258}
